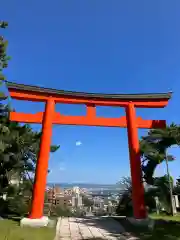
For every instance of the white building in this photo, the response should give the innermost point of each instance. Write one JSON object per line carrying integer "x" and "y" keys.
{"x": 77, "y": 201}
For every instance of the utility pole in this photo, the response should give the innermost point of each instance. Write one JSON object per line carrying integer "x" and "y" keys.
{"x": 170, "y": 185}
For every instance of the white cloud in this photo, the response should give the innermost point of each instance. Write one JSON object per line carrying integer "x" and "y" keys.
{"x": 78, "y": 143}
{"x": 62, "y": 168}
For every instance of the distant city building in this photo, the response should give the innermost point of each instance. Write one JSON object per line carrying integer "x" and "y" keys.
{"x": 73, "y": 197}
{"x": 65, "y": 201}
{"x": 76, "y": 190}
{"x": 77, "y": 201}
{"x": 80, "y": 201}
{"x": 73, "y": 201}
{"x": 64, "y": 197}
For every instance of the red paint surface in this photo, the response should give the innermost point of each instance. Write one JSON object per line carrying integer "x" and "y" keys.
{"x": 135, "y": 164}
{"x": 42, "y": 97}
{"x": 42, "y": 163}
{"x": 89, "y": 120}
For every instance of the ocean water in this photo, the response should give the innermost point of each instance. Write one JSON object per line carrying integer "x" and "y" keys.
{"x": 89, "y": 186}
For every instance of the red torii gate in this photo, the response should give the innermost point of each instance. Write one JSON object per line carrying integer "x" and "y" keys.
{"x": 91, "y": 100}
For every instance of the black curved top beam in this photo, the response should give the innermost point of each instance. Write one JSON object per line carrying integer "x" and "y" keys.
{"x": 141, "y": 96}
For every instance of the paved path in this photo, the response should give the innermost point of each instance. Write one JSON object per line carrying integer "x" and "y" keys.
{"x": 90, "y": 228}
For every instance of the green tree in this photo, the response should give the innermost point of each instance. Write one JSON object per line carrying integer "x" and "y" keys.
{"x": 59, "y": 211}
{"x": 3, "y": 56}
{"x": 160, "y": 189}
{"x": 153, "y": 148}
{"x": 177, "y": 187}
{"x": 87, "y": 202}
{"x": 19, "y": 147}
{"x": 163, "y": 191}
{"x": 125, "y": 184}
{"x": 124, "y": 207}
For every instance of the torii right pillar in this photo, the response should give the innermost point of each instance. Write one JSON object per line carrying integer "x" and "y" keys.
{"x": 138, "y": 201}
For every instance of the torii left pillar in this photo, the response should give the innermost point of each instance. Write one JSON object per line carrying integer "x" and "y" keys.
{"x": 36, "y": 214}
{"x": 138, "y": 201}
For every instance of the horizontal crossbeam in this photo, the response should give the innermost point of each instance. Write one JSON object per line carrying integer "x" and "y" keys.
{"x": 141, "y": 103}
{"x": 89, "y": 120}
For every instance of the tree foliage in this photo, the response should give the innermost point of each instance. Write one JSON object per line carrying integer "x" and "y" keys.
{"x": 124, "y": 207}
{"x": 19, "y": 147}
{"x": 87, "y": 202}
{"x": 163, "y": 191}
{"x": 57, "y": 210}
{"x": 177, "y": 187}
{"x": 126, "y": 184}
{"x": 154, "y": 147}
{"x": 160, "y": 189}
{"x": 3, "y": 56}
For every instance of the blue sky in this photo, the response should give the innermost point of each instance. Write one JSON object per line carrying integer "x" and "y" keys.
{"x": 95, "y": 46}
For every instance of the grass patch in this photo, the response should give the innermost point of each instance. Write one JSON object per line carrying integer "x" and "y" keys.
{"x": 10, "y": 230}
{"x": 166, "y": 229}
{"x": 165, "y": 217}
